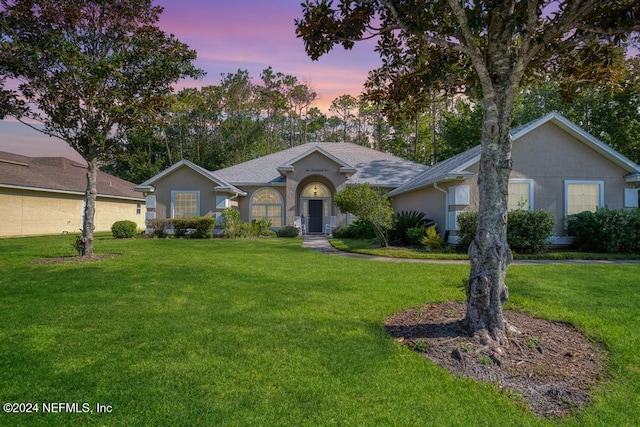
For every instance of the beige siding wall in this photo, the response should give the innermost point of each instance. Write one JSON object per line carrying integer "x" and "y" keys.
{"x": 435, "y": 203}
{"x": 549, "y": 156}
{"x": 28, "y": 213}
{"x": 184, "y": 179}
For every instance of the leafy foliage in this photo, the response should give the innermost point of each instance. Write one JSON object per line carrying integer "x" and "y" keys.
{"x": 231, "y": 222}
{"x": 196, "y": 228}
{"x": 527, "y": 231}
{"x": 606, "y": 230}
{"x": 288, "y": 231}
{"x": 124, "y": 229}
{"x": 368, "y": 205}
{"x": 89, "y": 71}
{"x": 404, "y": 221}
{"x": 356, "y": 230}
{"x": 468, "y": 223}
{"x": 432, "y": 240}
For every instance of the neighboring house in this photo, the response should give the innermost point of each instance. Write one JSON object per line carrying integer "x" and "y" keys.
{"x": 299, "y": 181}
{"x": 45, "y": 195}
{"x": 557, "y": 167}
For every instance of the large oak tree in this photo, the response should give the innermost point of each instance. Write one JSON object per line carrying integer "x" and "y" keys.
{"x": 493, "y": 47}
{"x": 87, "y": 71}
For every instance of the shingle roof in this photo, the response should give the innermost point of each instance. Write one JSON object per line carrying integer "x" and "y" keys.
{"x": 58, "y": 174}
{"x": 211, "y": 176}
{"x": 372, "y": 166}
{"x": 456, "y": 165}
{"x": 451, "y": 168}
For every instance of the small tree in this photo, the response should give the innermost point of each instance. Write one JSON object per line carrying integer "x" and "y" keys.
{"x": 368, "y": 205}
{"x": 89, "y": 71}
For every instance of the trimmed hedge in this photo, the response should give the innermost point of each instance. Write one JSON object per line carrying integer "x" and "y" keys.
{"x": 356, "y": 230}
{"x": 195, "y": 228}
{"x": 288, "y": 231}
{"x": 124, "y": 229}
{"x": 606, "y": 230}
{"x": 527, "y": 231}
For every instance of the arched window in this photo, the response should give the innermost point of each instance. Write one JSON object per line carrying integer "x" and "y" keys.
{"x": 266, "y": 203}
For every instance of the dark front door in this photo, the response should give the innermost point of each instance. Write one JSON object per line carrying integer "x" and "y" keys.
{"x": 315, "y": 216}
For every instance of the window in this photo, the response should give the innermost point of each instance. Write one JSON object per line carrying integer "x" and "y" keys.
{"x": 459, "y": 195}
{"x": 630, "y": 197}
{"x": 185, "y": 204}
{"x": 266, "y": 203}
{"x": 138, "y": 208}
{"x": 583, "y": 196}
{"x": 520, "y": 194}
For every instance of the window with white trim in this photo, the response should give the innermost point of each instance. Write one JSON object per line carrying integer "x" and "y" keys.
{"x": 266, "y": 203}
{"x": 185, "y": 204}
{"x": 583, "y": 196}
{"x": 520, "y": 194}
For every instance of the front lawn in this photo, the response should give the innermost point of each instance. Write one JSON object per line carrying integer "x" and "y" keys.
{"x": 264, "y": 332}
{"x": 366, "y": 247}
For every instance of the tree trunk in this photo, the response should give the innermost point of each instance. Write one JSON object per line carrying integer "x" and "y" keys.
{"x": 489, "y": 252}
{"x": 85, "y": 246}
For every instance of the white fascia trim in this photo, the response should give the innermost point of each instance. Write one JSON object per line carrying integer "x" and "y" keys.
{"x": 229, "y": 189}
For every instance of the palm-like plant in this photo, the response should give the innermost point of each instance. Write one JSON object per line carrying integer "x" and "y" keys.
{"x": 402, "y": 222}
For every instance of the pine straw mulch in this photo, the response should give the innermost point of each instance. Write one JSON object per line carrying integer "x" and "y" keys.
{"x": 550, "y": 365}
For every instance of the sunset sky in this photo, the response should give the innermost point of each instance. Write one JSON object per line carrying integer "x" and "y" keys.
{"x": 230, "y": 36}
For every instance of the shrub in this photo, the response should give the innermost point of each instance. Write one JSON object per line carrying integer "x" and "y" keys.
{"x": 288, "y": 231}
{"x": 468, "y": 222}
{"x": 527, "y": 231}
{"x": 414, "y": 235}
{"x": 231, "y": 222}
{"x": 606, "y": 230}
{"x": 402, "y": 222}
{"x": 124, "y": 229}
{"x": 196, "y": 228}
{"x": 343, "y": 232}
{"x": 159, "y": 227}
{"x": 432, "y": 240}
{"x": 368, "y": 204}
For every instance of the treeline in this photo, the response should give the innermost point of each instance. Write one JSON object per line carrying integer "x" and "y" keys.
{"x": 239, "y": 119}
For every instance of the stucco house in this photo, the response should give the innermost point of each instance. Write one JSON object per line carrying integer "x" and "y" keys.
{"x": 45, "y": 195}
{"x": 557, "y": 167}
{"x": 299, "y": 181}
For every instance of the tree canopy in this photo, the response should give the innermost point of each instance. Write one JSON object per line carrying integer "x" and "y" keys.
{"x": 88, "y": 71}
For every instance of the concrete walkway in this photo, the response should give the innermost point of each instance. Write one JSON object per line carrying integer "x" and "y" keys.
{"x": 320, "y": 243}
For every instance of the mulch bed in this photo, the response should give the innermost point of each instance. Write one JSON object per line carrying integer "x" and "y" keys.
{"x": 74, "y": 259}
{"x": 549, "y": 365}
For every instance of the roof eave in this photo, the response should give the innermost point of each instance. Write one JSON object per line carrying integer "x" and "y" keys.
{"x": 448, "y": 177}
{"x": 229, "y": 189}
{"x": 633, "y": 178}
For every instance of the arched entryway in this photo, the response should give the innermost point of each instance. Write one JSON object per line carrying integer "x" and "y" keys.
{"x": 315, "y": 203}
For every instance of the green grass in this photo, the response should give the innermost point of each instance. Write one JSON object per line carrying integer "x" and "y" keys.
{"x": 264, "y": 332}
{"x": 366, "y": 247}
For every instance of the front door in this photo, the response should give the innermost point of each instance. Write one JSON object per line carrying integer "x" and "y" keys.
{"x": 315, "y": 216}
